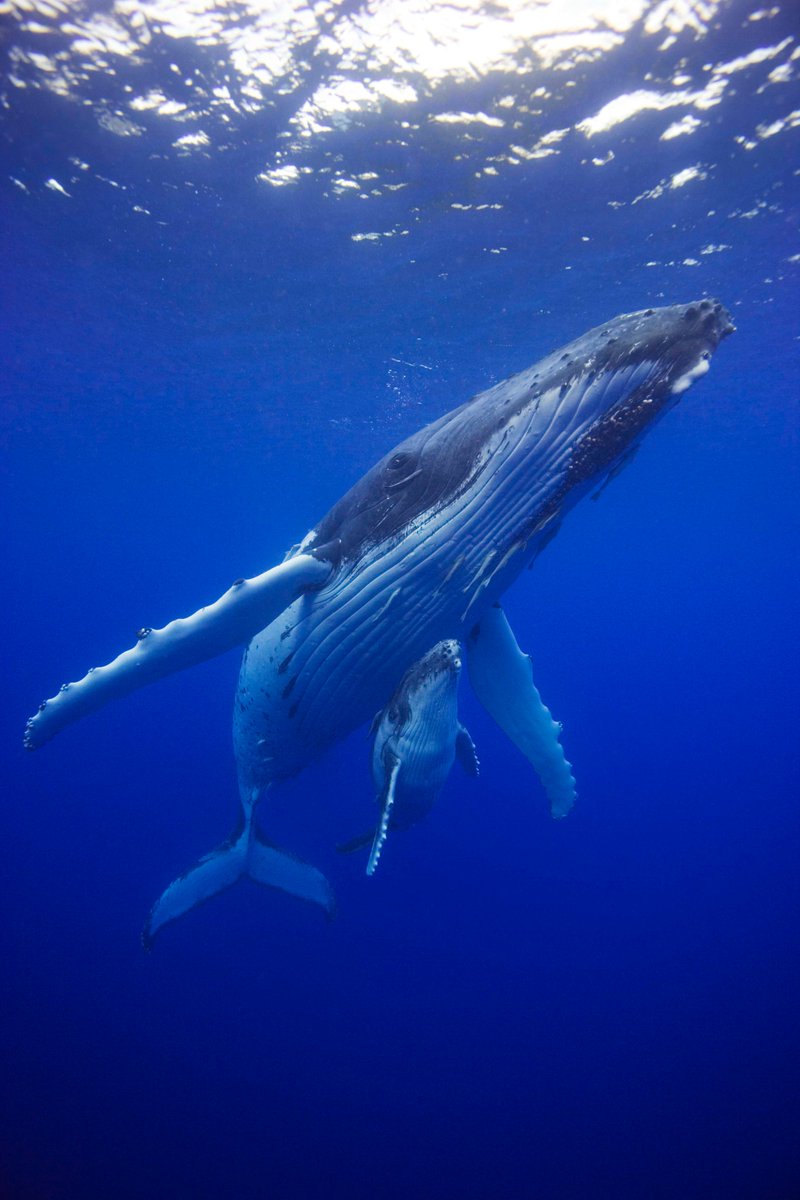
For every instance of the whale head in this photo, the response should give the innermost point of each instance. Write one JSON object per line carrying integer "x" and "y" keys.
{"x": 658, "y": 353}
{"x": 429, "y": 686}
{"x": 602, "y": 393}
{"x": 555, "y": 430}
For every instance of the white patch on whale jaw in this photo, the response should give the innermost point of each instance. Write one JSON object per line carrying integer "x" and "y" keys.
{"x": 685, "y": 381}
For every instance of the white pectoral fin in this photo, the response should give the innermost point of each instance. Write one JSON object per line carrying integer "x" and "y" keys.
{"x": 242, "y": 612}
{"x": 466, "y": 753}
{"x": 502, "y": 680}
{"x": 246, "y": 855}
{"x": 386, "y": 801}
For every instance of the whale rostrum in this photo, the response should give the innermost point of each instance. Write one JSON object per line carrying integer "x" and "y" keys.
{"x": 416, "y": 554}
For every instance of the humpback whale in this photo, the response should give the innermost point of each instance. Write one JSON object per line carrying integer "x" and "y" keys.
{"x": 417, "y": 738}
{"x": 419, "y": 551}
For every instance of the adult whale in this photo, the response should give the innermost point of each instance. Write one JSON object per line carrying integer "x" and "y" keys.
{"x": 418, "y": 551}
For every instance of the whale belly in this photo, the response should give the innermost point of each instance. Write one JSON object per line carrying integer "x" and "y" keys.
{"x": 331, "y": 661}
{"x": 333, "y": 658}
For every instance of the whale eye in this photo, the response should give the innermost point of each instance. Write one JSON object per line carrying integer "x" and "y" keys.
{"x": 401, "y": 468}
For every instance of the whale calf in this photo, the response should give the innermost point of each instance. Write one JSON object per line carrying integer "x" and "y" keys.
{"x": 418, "y": 736}
{"x": 419, "y": 551}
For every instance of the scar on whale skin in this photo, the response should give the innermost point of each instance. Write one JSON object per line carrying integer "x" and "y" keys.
{"x": 418, "y": 551}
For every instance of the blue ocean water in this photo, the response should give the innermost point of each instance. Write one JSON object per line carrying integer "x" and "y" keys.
{"x": 245, "y": 250}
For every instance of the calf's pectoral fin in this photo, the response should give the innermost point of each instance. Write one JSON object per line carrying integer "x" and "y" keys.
{"x": 466, "y": 753}
{"x": 386, "y": 802}
{"x": 242, "y": 612}
{"x": 501, "y": 678}
{"x": 245, "y": 855}
{"x": 356, "y": 843}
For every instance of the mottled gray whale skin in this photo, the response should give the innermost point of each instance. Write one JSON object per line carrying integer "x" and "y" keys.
{"x": 434, "y": 533}
{"x": 418, "y": 552}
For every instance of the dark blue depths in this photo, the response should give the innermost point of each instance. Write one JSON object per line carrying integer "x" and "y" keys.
{"x": 605, "y": 1006}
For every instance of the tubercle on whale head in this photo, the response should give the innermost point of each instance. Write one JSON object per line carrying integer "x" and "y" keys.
{"x": 436, "y": 674}
{"x": 572, "y": 416}
{"x": 445, "y": 656}
{"x": 678, "y": 338}
{"x": 674, "y": 338}
{"x": 707, "y": 323}
{"x": 443, "y": 659}
{"x": 664, "y": 350}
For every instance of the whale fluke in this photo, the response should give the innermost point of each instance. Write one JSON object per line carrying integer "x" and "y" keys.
{"x": 247, "y": 607}
{"x": 370, "y": 611}
{"x": 244, "y": 855}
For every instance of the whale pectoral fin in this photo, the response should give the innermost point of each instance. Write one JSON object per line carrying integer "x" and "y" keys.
{"x": 501, "y": 678}
{"x": 245, "y": 855}
{"x": 466, "y": 753}
{"x": 356, "y": 843}
{"x": 386, "y": 802}
{"x": 376, "y": 720}
{"x": 242, "y": 612}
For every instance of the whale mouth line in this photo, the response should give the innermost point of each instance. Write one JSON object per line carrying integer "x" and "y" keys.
{"x": 685, "y": 381}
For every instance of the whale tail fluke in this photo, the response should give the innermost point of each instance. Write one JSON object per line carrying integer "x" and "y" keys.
{"x": 244, "y": 855}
